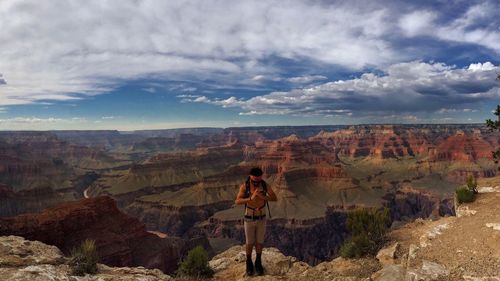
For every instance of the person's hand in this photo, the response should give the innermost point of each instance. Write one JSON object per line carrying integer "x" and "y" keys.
{"x": 254, "y": 194}
{"x": 258, "y": 193}
{"x": 261, "y": 194}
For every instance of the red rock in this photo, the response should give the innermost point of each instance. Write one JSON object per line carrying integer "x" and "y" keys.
{"x": 121, "y": 240}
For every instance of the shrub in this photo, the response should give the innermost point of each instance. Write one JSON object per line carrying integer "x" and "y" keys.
{"x": 472, "y": 184}
{"x": 368, "y": 228}
{"x": 195, "y": 264}
{"x": 465, "y": 195}
{"x": 84, "y": 258}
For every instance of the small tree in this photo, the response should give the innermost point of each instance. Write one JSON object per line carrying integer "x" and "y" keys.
{"x": 467, "y": 194}
{"x": 464, "y": 195}
{"x": 84, "y": 258}
{"x": 495, "y": 126}
{"x": 368, "y": 228}
{"x": 472, "y": 184}
{"x": 196, "y": 264}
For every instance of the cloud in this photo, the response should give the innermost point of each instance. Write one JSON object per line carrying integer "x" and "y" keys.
{"x": 2, "y": 80}
{"x": 453, "y": 110}
{"x": 417, "y": 22}
{"x": 66, "y": 50}
{"x": 413, "y": 87}
{"x": 265, "y": 78}
{"x": 150, "y": 90}
{"x": 30, "y": 120}
{"x": 481, "y": 66}
{"x": 306, "y": 79}
{"x": 477, "y": 25}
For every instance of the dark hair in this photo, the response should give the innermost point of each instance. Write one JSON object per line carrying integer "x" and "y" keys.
{"x": 257, "y": 172}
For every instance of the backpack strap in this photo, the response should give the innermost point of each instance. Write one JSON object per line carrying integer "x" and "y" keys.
{"x": 264, "y": 186}
{"x": 247, "y": 195}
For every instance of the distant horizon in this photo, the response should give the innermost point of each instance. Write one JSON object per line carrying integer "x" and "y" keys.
{"x": 257, "y": 126}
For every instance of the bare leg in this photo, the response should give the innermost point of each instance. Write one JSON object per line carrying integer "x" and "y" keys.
{"x": 249, "y": 248}
{"x": 258, "y": 248}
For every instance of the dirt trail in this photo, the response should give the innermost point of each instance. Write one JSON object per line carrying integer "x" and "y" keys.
{"x": 468, "y": 245}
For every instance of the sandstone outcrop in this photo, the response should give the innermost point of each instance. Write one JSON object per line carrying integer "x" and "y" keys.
{"x": 411, "y": 169}
{"x": 25, "y": 260}
{"x": 230, "y": 265}
{"x": 447, "y": 249}
{"x": 453, "y": 248}
{"x": 121, "y": 240}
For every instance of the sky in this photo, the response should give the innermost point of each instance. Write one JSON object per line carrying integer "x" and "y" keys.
{"x": 132, "y": 64}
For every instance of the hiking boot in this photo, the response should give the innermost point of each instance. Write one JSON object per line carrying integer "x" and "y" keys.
{"x": 258, "y": 267}
{"x": 249, "y": 267}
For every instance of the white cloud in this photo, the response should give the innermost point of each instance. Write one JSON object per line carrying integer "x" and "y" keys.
{"x": 67, "y": 50}
{"x": 259, "y": 78}
{"x": 54, "y": 49}
{"x": 307, "y": 79}
{"x": 187, "y": 96}
{"x": 29, "y": 120}
{"x": 481, "y": 66}
{"x": 417, "y": 22}
{"x": 265, "y": 78}
{"x": 41, "y": 123}
{"x": 478, "y": 25}
{"x": 150, "y": 90}
{"x": 406, "y": 87}
{"x": 452, "y": 110}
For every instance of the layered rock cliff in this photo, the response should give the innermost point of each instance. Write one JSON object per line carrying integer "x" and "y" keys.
{"x": 34, "y": 163}
{"x": 121, "y": 240}
{"x": 446, "y": 249}
{"x": 412, "y": 169}
{"x": 403, "y": 168}
{"x": 26, "y": 260}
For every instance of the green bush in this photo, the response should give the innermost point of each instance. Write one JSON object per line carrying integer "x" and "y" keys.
{"x": 472, "y": 184}
{"x": 465, "y": 195}
{"x": 368, "y": 228}
{"x": 195, "y": 264}
{"x": 84, "y": 258}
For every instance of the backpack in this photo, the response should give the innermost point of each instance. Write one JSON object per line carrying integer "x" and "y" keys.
{"x": 247, "y": 195}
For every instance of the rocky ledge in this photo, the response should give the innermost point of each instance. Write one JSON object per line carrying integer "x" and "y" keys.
{"x": 24, "y": 260}
{"x": 120, "y": 240}
{"x": 464, "y": 247}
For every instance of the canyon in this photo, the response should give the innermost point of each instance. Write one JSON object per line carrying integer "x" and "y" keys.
{"x": 120, "y": 240}
{"x": 183, "y": 182}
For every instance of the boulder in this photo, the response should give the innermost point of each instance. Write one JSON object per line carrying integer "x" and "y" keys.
{"x": 386, "y": 256}
{"x": 390, "y": 273}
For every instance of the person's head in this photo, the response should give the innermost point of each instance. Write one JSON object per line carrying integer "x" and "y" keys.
{"x": 256, "y": 174}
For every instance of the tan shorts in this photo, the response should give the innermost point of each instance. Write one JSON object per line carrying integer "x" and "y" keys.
{"x": 255, "y": 230}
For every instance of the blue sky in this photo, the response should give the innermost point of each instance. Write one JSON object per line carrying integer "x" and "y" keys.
{"x": 130, "y": 65}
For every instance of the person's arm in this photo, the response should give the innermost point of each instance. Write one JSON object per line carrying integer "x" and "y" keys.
{"x": 271, "y": 195}
{"x": 241, "y": 194}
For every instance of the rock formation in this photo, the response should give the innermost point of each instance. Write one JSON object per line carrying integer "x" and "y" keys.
{"x": 446, "y": 249}
{"x": 183, "y": 182}
{"x": 25, "y": 260}
{"x": 121, "y": 240}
